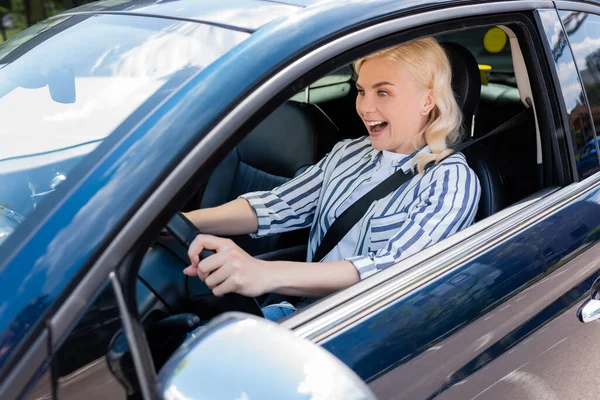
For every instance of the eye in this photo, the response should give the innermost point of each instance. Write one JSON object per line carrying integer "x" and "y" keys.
{"x": 382, "y": 93}
{"x": 361, "y": 92}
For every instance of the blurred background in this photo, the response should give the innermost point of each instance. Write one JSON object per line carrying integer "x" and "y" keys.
{"x": 16, "y": 15}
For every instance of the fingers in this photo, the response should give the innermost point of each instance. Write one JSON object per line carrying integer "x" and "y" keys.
{"x": 203, "y": 268}
{"x": 228, "y": 286}
{"x": 222, "y": 272}
{"x": 210, "y": 264}
{"x": 194, "y": 255}
{"x": 202, "y": 242}
{"x": 218, "y": 276}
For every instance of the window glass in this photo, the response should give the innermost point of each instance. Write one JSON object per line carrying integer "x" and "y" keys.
{"x": 330, "y": 87}
{"x": 583, "y": 31}
{"x": 66, "y": 84}
{"x": 82, "y": 361}
{"x": 579, "y": 119}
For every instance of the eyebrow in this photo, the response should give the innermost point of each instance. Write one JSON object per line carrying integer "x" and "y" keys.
{"x": 378, "y": 84}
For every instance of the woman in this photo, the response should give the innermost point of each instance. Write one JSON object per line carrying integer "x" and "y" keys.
{"x": 406, "y": 102}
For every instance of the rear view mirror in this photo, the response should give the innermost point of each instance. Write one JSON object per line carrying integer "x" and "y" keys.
{"x": 60, "y": 82}
{"x": 240, "y": 356}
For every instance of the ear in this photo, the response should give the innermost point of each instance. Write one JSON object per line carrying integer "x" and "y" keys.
{"x": 429, "y": 102}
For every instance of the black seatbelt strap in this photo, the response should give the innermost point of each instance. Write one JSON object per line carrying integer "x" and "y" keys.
{"x": 354, "y": 213}
{"x": 342, "y": 224}
{"x": 511, "y": 123}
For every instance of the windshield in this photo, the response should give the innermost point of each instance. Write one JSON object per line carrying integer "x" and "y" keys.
{"x": 67, "y": 83}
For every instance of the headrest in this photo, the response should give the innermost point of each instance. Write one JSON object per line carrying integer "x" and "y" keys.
{"x": 283, "y": 142}
{"x": 466, "y": 81}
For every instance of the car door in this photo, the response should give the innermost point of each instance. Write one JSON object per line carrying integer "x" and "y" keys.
{"x": 497, "y": 314}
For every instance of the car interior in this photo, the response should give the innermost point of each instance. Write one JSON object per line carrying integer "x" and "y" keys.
{"x": 492, "y": 87}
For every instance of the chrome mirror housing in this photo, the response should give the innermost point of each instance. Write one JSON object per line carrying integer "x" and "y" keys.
{"x": 240, "y": 356}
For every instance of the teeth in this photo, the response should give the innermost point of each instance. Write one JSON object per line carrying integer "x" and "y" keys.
{"x": 375, "y": 123}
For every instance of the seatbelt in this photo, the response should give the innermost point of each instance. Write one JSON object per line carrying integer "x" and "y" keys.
{"x": 342, "y": 224}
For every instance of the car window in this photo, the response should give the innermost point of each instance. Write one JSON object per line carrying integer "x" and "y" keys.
{"x": 332, "y": 86}
{"x": 55, "y": 110}
{"x": 583, "y": 31}
{"x": 572, "y": 92}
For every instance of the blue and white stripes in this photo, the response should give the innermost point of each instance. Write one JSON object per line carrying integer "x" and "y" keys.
{"x": 423, "y": 211}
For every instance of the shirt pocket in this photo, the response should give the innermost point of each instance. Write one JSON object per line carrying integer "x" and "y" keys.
{"x": 383, "y": 228}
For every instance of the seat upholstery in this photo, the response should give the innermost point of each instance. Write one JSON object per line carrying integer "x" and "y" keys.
{"x": 279, "y": 148}
{"x": 516, "y": 146}
{"x": 466, "y": 83}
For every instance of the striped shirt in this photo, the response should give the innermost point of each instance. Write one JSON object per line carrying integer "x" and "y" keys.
{"x": 424, "y": 210}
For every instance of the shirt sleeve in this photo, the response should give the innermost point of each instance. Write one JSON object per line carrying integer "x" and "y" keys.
{"x": 289, "y": 206}
{"x": 444, "y": 207}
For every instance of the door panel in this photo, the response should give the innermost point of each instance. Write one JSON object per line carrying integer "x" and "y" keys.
{"x": 555, "y": 362}
{"x": 533, "y": 347}
{"x": 439, "y": 336}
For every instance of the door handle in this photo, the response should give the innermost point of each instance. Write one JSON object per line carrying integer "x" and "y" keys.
{"x": 590, "y": 309}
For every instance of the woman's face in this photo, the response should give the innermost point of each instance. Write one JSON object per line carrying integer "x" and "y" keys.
{"x": 392, "y": 105}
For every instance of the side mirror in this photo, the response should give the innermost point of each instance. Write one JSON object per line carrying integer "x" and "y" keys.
{"x": 240, "y": 356}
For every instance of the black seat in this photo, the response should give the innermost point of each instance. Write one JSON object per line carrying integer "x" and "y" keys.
{"x": 466, "y": 83}
{"x": 517, "y": 145}
{"x": 281, "y": 147}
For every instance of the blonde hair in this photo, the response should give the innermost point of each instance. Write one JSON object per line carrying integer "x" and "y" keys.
{"x": 427, "y": 62}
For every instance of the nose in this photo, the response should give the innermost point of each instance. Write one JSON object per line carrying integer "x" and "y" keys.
{"x": 365, "y": 105}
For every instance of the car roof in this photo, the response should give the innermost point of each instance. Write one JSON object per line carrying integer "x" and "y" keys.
{"x": 245, "y": 15}
{"x": 248, "y": 15}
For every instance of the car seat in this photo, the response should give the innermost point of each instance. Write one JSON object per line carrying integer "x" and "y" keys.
{"x": 281, "y": 147}
{"x": 466, "y": 83}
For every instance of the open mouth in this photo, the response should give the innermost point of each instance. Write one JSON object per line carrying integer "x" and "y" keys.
{"x": 377, "y": 126}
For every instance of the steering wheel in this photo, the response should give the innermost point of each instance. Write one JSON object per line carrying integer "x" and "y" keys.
{"x": 184, "y": 231}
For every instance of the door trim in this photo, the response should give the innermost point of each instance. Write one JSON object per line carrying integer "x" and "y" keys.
{"x": 564, "y": 5}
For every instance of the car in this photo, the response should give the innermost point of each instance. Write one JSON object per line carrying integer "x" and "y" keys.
{"x": 119, "y": 116}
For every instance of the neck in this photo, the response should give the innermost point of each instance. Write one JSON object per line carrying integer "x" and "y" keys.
{"x": 408, "y": 147}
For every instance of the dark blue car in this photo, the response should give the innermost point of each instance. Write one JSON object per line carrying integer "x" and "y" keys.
{"x": 117, "y": 116}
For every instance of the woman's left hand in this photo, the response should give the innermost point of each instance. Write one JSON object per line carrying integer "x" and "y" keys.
{"x": 229, "y": 270}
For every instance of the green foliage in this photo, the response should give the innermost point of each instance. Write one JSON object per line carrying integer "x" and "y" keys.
{"x": 38, "y": 11}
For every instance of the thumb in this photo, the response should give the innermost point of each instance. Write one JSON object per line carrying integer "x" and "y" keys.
{"x": 191, "y": 270}
{"x": 194, "y": 251}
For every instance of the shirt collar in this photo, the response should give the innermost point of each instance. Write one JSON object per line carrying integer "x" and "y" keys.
{"x": 405, "y": 163}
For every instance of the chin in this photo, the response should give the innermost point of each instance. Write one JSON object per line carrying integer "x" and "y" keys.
{"x": 379, "y": 143}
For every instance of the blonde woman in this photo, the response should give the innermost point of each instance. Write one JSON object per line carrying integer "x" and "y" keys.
{"x": 406, "y": 102}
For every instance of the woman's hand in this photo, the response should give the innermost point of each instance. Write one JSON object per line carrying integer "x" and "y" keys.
{"x": 229, "y": 270}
